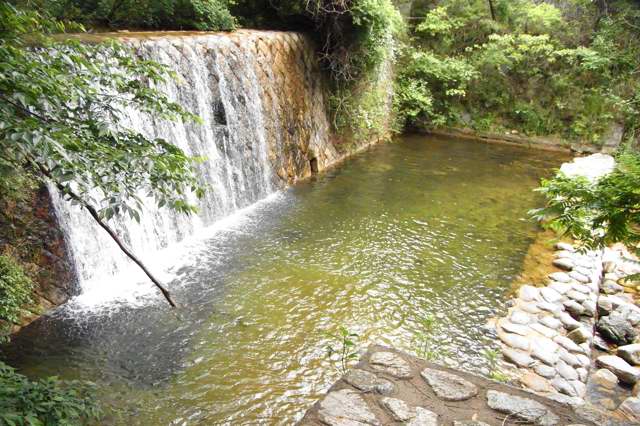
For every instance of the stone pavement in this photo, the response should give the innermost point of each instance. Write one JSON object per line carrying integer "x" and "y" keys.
{"x": 389, "y": 387}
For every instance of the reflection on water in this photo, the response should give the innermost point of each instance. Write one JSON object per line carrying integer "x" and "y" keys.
{"x": 421, "y": 226}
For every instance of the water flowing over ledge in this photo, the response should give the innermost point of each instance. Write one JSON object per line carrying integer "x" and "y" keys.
{"x": 262, "y": 101}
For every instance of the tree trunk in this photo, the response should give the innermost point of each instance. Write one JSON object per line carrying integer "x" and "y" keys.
{"x": 493, "y": 11}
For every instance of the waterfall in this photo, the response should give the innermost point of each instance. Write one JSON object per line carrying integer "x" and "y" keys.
{"x": 222, "y": 80}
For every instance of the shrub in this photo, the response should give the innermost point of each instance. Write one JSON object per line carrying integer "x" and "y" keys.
{"x": 15, "y": 291}
{"x": 45, "y": 402}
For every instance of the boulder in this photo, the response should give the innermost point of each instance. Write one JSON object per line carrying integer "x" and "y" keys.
{"x": 630, "y": 353}
{"x": 619, "y": 367}
{"x": 605, "y": 378}
{"x": 616, "y": 329}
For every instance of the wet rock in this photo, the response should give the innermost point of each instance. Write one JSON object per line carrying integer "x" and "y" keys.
{"x": 448, "y": 386}
{"x": 390, "y": 363}
{"x": 563, "y": 263}
{"x": 545, "y": 371}
{"x": 399, "y": 409}
{"x": 550, "y": 295}
{"x": 605, "y": 378}
{"x": 619, "y": 367}
{"x": 561, "y": 277}
{"x": 519, "y": 317}
{"x": 522, "y": 408}
{"x": 630, "y": 407}
{"x": 616, "y": 329}
{"x": 579, "y": 335}
{"x": 519, "y": 358}
{"x": 529, "y": 293}
{"x": 424, "y": 417}
{"x": 535, "y": 382}
{"x": 345, "y": 408}
{"x": 545, "y": 331}
{"x": 630, "y": 353}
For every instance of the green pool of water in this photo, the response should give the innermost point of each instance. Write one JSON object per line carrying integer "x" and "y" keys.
{"x": 419, "y": 227}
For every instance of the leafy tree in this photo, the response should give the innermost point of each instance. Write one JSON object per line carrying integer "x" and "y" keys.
{"x": 62, "y": 105}
{"x": 597, "y": 214}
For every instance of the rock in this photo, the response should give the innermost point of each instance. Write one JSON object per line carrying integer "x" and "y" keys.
{"x": 630, "y": 353}
{"x": 611, "y": 287}
{"x": 345, "y": 408}
{"x": 579, "y": 387}
{"x": 583, "y": 374}
{"x": 545, "y": 350}
{"x": 469, "y": 423}
{"x": 630, "y": 407}
{"x": 399, "y": 409}
{"x": 577, "y": 296}
{"x": 563, "y": 263}
{"x": 522, "y": 408}
{"x": 519, "y": 358}
{"x": 609, "y": 266}
{"x": 573, "y": 307}
{"x": 584, "y": 360}
{"x": 581, "y": 278}
{"x": 385, "y": 387}
{"x": 570, "y": 359}
{"x": 535, "y": 382}
{"x": 561, "y": 277}
{"x": 448, "y": 386}
{"x": 579, "y": 335}
{"x": 563, "y": 386}
{"x": 362, "y": 380}
{"x": 589, "y": 308}
{"x": 565, "y": 246}
{"x": 605, "y": 378}
{"x": 390, "y": 363}
{"x": 619, "y": 367}
{"x": 600, "y": 343}
{"x": 510, "y": 327}
{"x": 550, "y": 295}
{"x": 616, "y": 329}
{"x": 529, "y": 293}
{"x": 560, "y": 287}
{"x": 567, "y": 343}
{"x": 551, "y": 322}
{"x": 566, "y": 371}
{"x": 580, "y": 288}
{"x": 529, "y": 308}
{"x": 514, "y": 340}
{"x": 424, "y": 417}
{"x": 549, "y": 307}
{"x": 568, "y": 322}
{"x": 545, "y": 371}
{"x": 519, "y": 317}
{"x": 604, "y": 306}
{"x": 545, "y": 331}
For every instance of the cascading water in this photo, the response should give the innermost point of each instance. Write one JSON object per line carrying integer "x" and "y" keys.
{"x": 218, "y": 81}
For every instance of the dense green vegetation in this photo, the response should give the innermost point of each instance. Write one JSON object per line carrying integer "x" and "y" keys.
{"x": 205, "y": 15}
{"x": 15, "y": 292}
{"x": 532, "y": 67}
{"x": 45, "y": 402}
